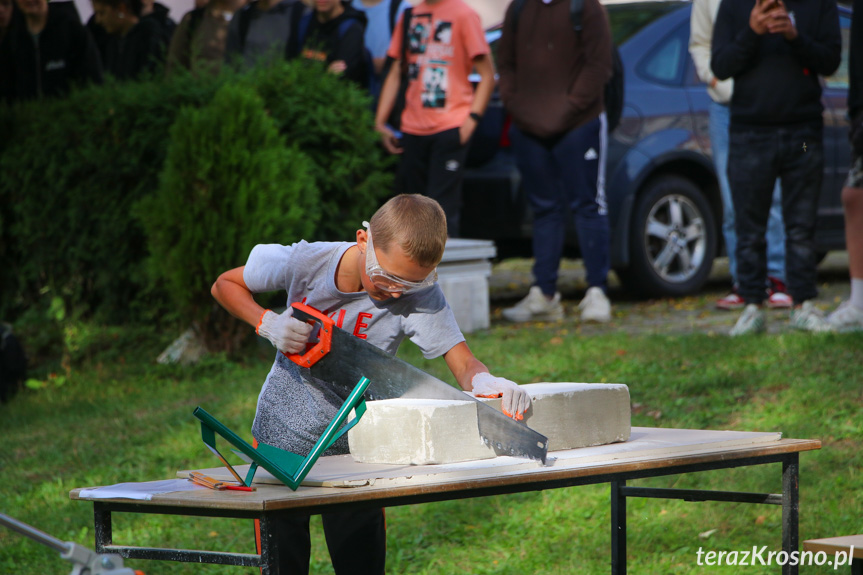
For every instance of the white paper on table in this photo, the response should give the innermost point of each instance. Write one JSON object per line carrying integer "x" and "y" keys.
{"x": 144, "y": 490}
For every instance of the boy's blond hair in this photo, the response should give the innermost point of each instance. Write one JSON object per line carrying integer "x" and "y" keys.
{"x": 415, "y": 223}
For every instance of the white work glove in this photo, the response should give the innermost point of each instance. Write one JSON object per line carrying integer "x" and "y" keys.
{"x": 515, "y": 399}
{"x": 286, "y": 333}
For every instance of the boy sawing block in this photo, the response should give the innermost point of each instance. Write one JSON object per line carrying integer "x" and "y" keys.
{"x": 425, "y": 431}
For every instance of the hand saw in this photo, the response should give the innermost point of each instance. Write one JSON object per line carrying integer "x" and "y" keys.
{"x": 341, "y": 359}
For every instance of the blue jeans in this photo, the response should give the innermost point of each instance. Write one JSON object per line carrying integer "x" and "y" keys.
{"x": 560, "y": 175}
{"x": 757, "y": 157}
{"x": 719, "y": 121}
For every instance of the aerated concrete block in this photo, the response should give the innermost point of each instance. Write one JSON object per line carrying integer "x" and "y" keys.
{"x": 419, "y": 432}
{"x": 575, "y": 415}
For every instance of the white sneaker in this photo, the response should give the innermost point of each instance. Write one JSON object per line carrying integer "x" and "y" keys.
{"x": 535, "y": 307}
{"x": 752, "y": 320}
{"x": 846, "y": 317}
{"x": 809, "y": 318}
{"x": 595, "y": 306}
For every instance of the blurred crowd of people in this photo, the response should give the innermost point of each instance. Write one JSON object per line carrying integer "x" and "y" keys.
{"x": 45, "y": 48}
{"x": 761, "y": 61}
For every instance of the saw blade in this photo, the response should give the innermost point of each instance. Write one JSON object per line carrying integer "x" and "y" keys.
{"x": 350, "y": 358}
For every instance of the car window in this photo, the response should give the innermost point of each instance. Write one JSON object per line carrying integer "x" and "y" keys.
{"x": 666, "y": 61}
{"x": 627, "y": 19}
{"x": 839, "y": 79}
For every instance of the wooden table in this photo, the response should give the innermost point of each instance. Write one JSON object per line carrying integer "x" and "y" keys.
{"x": 833, "y": 545}
{"x": 650, "y": 452}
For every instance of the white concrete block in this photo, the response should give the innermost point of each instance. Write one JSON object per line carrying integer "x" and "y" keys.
{"x": 425, "y": 431}
{"x": 575, "y": 415}
{"x": 418, "y": 432}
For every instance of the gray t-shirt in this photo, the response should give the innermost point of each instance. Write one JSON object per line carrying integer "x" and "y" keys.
{"x": 295, "y": 408}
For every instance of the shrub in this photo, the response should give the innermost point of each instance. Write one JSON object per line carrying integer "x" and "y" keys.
{"x": 229, "y": 183}
{"x": 72, "y": 170}
{"x": 331, "y": 121}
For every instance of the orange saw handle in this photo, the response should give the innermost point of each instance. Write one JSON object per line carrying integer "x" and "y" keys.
{"x": 310, "y": 315}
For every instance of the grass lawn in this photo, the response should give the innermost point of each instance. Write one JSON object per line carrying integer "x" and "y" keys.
{"x": 119, "y": 417}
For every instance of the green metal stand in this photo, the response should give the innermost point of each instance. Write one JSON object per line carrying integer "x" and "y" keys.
{"x": 288, "y": 467}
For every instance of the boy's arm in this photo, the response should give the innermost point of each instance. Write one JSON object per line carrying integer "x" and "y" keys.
{"x": 350, "y": 50}
{"x": 464, "y": 365}
{"x": 287, "y": 334}
{"x": 231, "y": 292}
{"x": 386, "y": 101}
{"x": 485, "y": 68}
{"x": 472, "y": 375}
{"x": 589, "y": 85}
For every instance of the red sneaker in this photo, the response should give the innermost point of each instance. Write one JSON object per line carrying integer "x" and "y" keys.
{"x": 777, "y": 297}
{"x": 730, "y": 302}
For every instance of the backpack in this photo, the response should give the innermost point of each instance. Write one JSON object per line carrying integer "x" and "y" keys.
{"x": 370, "y": 81}
{"x": 394, "y": 13}
{"x": 614, "y": 88}
{"x": 395, "y": 119}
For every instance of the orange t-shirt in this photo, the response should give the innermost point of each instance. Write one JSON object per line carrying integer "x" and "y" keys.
{"x": 443, "y": 40}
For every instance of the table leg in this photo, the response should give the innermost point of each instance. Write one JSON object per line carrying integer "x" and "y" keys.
{"x": 790, "y": 509}
{"x": 103, "y": 527}
{"x": 269, "y": 547}
{"x": 618, "y": 528}
{"x": 857, "y": 567}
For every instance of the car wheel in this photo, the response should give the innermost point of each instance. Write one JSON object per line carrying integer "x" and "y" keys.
{"x": 673, "y": 239}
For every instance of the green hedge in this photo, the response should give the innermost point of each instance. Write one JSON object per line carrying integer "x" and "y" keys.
{"x": 335, "y": 127}
{"x": 229, "y": 183}
{"x": 74, "y": 169}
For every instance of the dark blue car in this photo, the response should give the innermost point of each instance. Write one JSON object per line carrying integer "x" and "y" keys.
{"x": 663, "y": 197}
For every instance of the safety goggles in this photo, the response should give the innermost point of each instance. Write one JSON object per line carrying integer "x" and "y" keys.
{"x": 386, "y": 281}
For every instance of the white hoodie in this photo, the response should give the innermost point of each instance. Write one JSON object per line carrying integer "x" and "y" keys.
{"x": 701, "y": 32}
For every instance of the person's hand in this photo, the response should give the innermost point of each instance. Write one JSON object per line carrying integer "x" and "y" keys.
{"x": 515, "y": 399}
{"x": 337, "y": 67}
{"x": 286, "y": 333}
{"x": 466, "y": 130}
{"x": 760, "y": 15}
{"x": 781, "y": 22}
{"x": 389, "y": 139}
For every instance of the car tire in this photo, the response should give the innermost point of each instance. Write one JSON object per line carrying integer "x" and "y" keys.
{"x": 673, "y": 240}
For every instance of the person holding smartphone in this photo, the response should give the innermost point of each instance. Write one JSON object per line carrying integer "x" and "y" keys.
{"x": 775, "y": 50}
